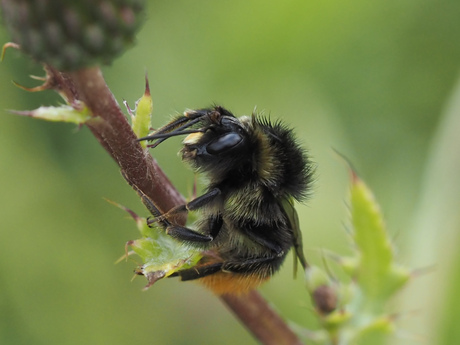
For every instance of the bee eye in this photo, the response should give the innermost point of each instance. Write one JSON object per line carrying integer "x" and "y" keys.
{"x": 223, "y": 143}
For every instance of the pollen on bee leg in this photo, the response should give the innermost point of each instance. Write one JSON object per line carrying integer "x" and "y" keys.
{"x": 192, "y": 138}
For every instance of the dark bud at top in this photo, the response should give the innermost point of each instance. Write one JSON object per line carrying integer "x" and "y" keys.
{"x": 69, "y": 34}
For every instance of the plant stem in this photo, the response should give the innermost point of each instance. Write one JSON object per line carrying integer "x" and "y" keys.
{"x": 260, "y": 319}
{"x": 113, "y": 131}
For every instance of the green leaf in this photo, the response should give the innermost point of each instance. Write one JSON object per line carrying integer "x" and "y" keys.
{"x": 377, "y": 273}
{"x": 63, "y": 113}
{"x": 374, "y": 333}
{"x": 352, "y": 311}
{"x": 161, "y": 254}
{"x": 142, "y": 119}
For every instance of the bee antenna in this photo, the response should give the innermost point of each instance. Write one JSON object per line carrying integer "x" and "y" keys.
{"x": 169, "y": 135}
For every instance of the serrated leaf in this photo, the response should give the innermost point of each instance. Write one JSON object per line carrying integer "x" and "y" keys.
{"x": 161, "y": 254}
{"x": 142, "y": 119}
{"x": 63, "y": 113}
{"x": 377, "y": 273}
{"x": 351, "y": 311}
{"x": 374, "y": 333}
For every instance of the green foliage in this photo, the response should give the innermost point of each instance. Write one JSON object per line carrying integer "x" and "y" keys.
{"x": 142, "y": 119}
{"x": 63, "y": 113}
{"x": 377, "y": 272}
{"x": 352, "y": 311}
{"x": 161, "y": 255}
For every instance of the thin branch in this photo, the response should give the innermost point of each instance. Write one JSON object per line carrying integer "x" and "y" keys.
{"x": 113, "y": 131}
{"x": 260, "y": 319}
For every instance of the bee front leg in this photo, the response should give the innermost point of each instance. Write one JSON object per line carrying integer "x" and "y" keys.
{"x": 192, "y": 205}
{"x": 181, "y": 232}
{"x": 187, "y": 235}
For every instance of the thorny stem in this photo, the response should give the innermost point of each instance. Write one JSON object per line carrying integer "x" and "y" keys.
{"x": 114, "y": 133}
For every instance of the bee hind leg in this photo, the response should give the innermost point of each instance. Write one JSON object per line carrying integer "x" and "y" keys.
{"x": 185, "y": 234}
{"x": 263, "y": 266}
{"x": 198, "y": 272}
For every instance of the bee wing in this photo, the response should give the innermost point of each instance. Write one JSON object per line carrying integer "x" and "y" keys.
{"x": 291, "y": 213}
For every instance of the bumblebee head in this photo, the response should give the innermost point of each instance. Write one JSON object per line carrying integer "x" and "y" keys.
{"x": 221, "y": 144}
{"x": 224, "y": 135}
{"x": 244, "y": 149}
{"x": 217, "y": 141}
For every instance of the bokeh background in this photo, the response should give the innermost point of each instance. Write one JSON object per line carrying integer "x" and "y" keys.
{"x": 377, "y": 81}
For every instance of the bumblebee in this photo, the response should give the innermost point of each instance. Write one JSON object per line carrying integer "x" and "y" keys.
{"x": 255, "y": 170}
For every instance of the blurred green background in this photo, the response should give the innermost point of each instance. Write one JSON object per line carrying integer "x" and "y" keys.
{"x": 378, "y": 81}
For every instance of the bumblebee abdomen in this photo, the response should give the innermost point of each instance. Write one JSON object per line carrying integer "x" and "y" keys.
{"x": 232, "y": 283}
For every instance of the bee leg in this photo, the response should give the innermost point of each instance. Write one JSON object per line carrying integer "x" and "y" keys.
{"x": 264, "y": 266}
{"x": 192, "y": 205}
{"x": 180, "y": 232}
{"x": 198, "y": 272}
{"x": 203, "y": 200}
{"x": 188, "y": 235}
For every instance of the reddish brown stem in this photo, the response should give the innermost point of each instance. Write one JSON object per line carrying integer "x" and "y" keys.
{"x": 259, "y": 318}
{"x": 112, "y": 130}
